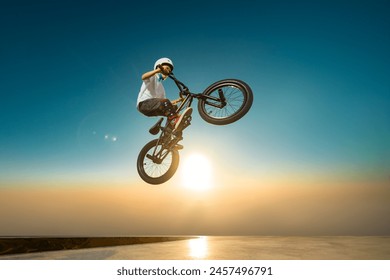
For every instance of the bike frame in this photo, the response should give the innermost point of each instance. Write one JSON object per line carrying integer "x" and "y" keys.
{"x": 185, "y": 103}
{"x": 189, "y": 96}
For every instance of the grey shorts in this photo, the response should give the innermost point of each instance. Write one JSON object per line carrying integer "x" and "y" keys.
{"x": 156, "y": 107}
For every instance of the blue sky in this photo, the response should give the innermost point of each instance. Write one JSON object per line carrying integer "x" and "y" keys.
{"x": 70, "y": 76}
{"x": 319, "y": 72}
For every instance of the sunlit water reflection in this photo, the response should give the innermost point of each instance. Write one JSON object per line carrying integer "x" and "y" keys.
{"x": 198, "y": 248}
{"x": 234, "y": 248}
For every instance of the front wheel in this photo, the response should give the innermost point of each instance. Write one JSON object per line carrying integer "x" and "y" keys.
{"x": 225, "y": 101}
{"x": 156, "y": 164}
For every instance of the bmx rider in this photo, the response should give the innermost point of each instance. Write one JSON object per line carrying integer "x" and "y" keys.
{"x": 152, "y": 99}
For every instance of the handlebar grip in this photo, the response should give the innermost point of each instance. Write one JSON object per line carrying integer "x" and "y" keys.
{"x": 162, "y": 70}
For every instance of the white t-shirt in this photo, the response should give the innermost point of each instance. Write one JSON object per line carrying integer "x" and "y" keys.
{"x": 151, "y": 88}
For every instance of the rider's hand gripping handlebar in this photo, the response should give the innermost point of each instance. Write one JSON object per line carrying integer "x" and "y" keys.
{"x": 163, "y": 70}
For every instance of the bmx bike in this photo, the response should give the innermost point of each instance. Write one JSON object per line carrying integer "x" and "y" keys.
{"x": 222, "y": 103}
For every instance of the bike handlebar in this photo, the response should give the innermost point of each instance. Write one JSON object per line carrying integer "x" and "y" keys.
{"x": 183, "y": 89}
{"x": 163, "y": 70}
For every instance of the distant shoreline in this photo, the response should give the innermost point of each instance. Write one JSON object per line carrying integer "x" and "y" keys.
{"x": 23, "y": 245}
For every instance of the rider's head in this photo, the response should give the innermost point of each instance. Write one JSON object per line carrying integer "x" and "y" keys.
{"x": 164, "y": 62}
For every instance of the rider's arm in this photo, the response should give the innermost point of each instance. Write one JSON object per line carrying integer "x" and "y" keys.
{"x": 149, "y": 74}
{"x": 161, "y": 69}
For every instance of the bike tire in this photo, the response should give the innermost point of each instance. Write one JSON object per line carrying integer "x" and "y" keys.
{"x": 239, "y": 98}
{"x": 167, "y": 170}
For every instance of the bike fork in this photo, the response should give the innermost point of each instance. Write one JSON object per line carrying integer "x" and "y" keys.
{"x": 222, "y": 97}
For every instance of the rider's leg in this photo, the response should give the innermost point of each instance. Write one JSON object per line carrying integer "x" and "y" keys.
{"x": 151, "y": 107}
{"x": 168, "y": 109}
{"x": 178, "y": 122}
{"x": 183, "y": 120}
{"x": 164, "y": 107}
{"x": 157, "y": 107}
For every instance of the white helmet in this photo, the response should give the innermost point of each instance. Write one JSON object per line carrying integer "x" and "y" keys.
{"x": 164, "y": 61}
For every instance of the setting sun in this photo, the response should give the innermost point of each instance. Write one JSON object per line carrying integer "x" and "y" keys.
{"x": 196, "y": 172}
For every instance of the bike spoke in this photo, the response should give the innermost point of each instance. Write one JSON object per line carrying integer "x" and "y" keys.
{"x": 234, "y": 101}
{"x": 155, "y": 170}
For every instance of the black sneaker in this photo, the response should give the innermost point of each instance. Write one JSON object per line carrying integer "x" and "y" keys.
{"x": 183, "y": 120}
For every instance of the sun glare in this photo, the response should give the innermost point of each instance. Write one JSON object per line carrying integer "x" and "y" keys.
{"x": 198, "y": 247}
{"x": 197, "y": 172}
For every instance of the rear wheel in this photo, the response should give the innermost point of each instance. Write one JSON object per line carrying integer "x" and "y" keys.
{"x": 229, "y": 100}
{"x": 156, "y": 164}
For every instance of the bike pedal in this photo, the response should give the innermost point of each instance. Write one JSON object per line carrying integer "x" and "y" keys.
{"x": 155, "y": 129}
{"x": 149, "y": 157}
